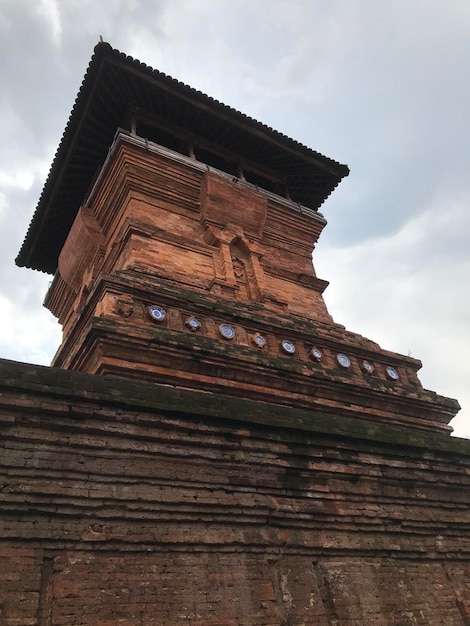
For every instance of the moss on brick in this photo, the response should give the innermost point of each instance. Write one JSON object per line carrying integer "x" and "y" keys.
{"x": 74, "y": 386}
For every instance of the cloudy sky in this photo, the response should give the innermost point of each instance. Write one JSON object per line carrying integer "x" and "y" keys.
{"x": 381, "y": 86}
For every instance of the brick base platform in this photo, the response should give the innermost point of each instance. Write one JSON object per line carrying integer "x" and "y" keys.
{"x": 135, "y": 503}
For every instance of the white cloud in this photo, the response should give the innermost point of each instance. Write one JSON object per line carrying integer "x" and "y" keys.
{"x": 26, "y": 338}
{"x": 49, "y": 10}
{"x": 20, "y": 179}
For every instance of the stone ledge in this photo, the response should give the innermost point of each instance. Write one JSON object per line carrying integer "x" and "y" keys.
{"x": 66, "y": 384}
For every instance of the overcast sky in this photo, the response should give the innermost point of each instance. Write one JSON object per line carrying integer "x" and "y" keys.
{"x": 381, "y": 86}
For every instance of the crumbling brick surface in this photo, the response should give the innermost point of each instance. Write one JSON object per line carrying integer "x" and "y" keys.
{"x": 128, "y": 503}
{"x": 161, "y": 231}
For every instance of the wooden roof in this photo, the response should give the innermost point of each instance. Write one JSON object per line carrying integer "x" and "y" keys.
{"x": 116, "y": 84}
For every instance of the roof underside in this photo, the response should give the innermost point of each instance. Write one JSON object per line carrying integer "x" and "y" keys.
{"x": 115, "y": 85}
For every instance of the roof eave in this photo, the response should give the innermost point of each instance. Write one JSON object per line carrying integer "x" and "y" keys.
{"x": 30, "y": 254}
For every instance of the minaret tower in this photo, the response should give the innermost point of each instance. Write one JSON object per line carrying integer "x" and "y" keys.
{"x": 180, "y": 232}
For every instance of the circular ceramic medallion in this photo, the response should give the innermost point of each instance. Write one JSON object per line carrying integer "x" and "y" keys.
{"x": 288, "y": 346}
{"x": 367, "y": 367}
{"x": 157, "y": 313}
{"x": 392, "y": 373}
{"x": 227, "y": 331}
{"x": 316, "y": 354}
{"x": 343, "y": 360}
{"x": 258, "y": 340}
{"x": 193, "y": 323}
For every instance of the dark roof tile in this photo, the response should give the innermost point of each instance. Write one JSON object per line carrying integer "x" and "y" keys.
{"x": 112, "y": 85}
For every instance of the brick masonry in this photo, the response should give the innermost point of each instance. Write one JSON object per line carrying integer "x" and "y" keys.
{"x": 161, "y": 229}
{"x": 134, "y": 503}
{"x": 164, "y": 472}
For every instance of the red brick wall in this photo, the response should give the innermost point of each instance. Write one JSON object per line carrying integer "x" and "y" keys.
{"x": 128, "y": 503}
{"x": 161, "y": 229}
{"x": 153, "y": 212}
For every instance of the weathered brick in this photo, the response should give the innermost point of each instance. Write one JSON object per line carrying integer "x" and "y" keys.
{"x": 184, "y": 477}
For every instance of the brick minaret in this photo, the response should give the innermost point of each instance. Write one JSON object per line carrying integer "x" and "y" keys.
{"x": 180, "y": 233}
{"x": 212, "y": 449}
